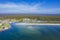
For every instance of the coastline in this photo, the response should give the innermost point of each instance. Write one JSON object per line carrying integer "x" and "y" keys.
{"x": 4, "y": 27}
{"x": 36, "y": 24}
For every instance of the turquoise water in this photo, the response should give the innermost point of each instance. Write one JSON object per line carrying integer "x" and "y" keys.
{"x": 31, "y": 32}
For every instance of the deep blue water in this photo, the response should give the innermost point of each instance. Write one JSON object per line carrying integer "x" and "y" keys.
{"x": 31, "y": 32}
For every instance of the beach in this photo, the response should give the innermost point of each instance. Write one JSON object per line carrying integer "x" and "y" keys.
{"x": 36, "y": 24}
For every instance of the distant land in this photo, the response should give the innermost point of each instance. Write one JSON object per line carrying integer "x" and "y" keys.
{"x": 30, "y": 14}
{"x": 47, "y": 18}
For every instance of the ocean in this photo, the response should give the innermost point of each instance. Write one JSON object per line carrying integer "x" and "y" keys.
{"x": 31, "y": 32}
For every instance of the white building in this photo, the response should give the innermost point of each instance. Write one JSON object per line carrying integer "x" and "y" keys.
{"x": 27, "y": 20}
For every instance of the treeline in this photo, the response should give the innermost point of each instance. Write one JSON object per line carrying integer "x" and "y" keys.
{"x": 43, "y": 18}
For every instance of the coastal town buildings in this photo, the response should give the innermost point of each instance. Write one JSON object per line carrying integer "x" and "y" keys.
{"x": 27, "y": 20}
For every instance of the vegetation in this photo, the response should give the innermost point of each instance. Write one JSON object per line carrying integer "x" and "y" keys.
{"x": 41, "y": 18}
{"x": 44, "y": 18}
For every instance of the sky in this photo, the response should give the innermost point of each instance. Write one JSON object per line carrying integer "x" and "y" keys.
{"x": 30, "y": 6}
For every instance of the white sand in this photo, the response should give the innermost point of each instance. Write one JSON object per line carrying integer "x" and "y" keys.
{"x": 36, "y": 24}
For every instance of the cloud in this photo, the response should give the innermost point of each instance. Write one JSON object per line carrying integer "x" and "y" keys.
{"x": 20, "y": 8}
{"x": 25, "y": 8}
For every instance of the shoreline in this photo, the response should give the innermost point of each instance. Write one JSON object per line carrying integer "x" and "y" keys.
{"x": 36, "y": 24}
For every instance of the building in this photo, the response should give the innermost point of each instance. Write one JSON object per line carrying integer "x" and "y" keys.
{"x": 27, "y": 20}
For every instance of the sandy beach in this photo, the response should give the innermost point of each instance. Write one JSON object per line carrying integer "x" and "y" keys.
{"x": 36, "y": 24}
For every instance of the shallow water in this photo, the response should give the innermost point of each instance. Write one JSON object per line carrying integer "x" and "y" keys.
{"x": 31, "y": 32}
